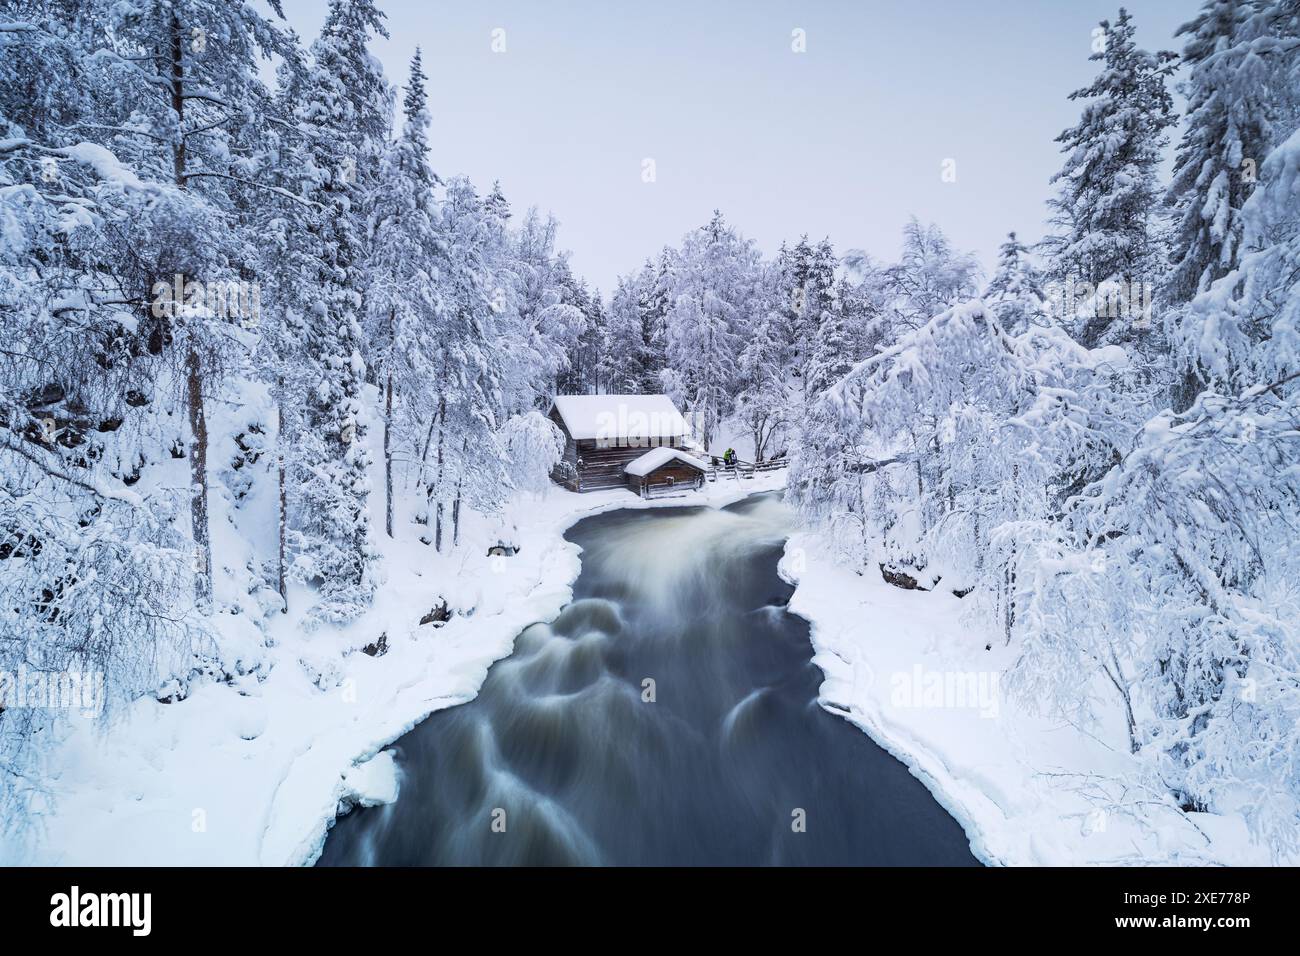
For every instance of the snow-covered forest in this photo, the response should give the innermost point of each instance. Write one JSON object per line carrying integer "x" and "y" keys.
{"x": 252, "y": 334}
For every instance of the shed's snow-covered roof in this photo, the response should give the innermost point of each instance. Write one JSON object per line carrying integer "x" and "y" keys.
{"x": 621, "y": 417}
{"x": 640, "y": 467}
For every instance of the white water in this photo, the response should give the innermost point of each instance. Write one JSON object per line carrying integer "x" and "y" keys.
{"x": 563, "y": 759}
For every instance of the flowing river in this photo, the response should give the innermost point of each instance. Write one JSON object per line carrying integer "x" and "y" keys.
{"x": 668, "y": 716}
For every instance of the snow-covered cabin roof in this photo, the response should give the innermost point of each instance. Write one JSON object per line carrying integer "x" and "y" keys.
{"x": 657, "y": 457}
{"x": 620, "y": 418}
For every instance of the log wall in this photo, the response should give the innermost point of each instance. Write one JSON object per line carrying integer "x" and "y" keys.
{"x": 682, "y": 475}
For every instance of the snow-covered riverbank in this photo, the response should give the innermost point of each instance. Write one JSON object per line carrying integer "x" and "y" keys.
{"x": 253, "y": 772}
{"x": 906, "y": 668}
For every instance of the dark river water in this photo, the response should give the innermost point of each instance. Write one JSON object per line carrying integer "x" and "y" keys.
{"x": 563, "y": 758}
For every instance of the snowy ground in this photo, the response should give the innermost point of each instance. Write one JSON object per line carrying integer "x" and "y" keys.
{"x": 1022, "y": 786}
{"x": 253, "y": 772}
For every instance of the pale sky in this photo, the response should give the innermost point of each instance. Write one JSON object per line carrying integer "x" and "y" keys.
{"x": 846, "y": 139}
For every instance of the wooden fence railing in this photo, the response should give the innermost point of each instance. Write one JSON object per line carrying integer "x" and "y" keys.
{"x": 742, "y": 469}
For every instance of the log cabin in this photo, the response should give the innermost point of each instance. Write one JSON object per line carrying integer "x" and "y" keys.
{"x": 605, "y": 434}
{"x": 662, "y": 470}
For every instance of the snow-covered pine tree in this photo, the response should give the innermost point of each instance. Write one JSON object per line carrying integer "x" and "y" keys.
{"x": 578, "y": 375}
{"x": 823, "y": 333}
{"x": 788, "y": 299}
{"x": 807, "y": 295}
{"x": 655, "y": 297}
{"x": 702, "y": 352}
{"x": 1109, "y": 195}
{"x": 368, "y": 100}
{"x": 620, "y": 367}
{"x": 713, "y": 288}
{"x": 1224, "y": 142}
{"x": 864, "y": 294}
{"x": 462, "y": 401}
{"x": 798, "y": 272}
{"x": 286, "y": 249}
{"x": 764, "y": 402}
{"x": 1231, "y": 52}
{"x": 403, "y": 293}
{"x": 496, "y": 205}
{"x": 633, "y": 346}
{"x": 594, "y": 342}
{"x": 535, "y": 276}
{"x": 189, "y": 68}
{"x": 1015, "y": 293}
{"x": 832, "y": 352}
{"x": 330, "y": 527}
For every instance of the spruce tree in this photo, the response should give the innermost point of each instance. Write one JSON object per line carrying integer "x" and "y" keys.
{"x": 1230, "y": 106}
{"x": 656, "y": 299}
{"x": 1015, "y": 293}
{"x": 403, "y": 291}
{"x": 620, "y": 365}
{"x": 1109, "y": 192}
{"x": 1223, "y": 144}
{"x": 713, "y": 292}
{"x": 331, "y": 490}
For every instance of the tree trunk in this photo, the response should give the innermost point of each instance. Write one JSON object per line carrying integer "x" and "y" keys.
{"x": 437, "y": 528}
{"x": 177, "y": 91}
{"x": 920, "y": 495}
{"x": 455, "y": 507}
{"x": 1115, "y": 673}
{"x": 281, "y": 574}
{"x": 193, "y": 367}
{"x": 199, "y": 479}
{"x": 424, "y": 452}
{"x": 388, "y": 456}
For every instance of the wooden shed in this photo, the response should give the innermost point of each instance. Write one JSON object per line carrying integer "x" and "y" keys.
{"x": 663, "y": 470}
{"x": 604, "y": 433}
